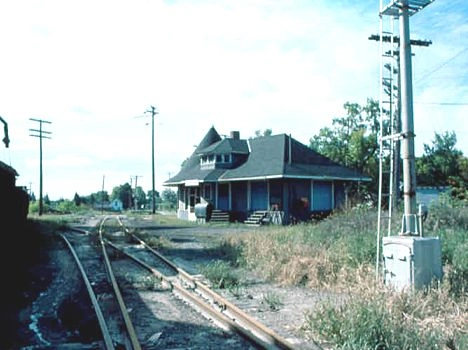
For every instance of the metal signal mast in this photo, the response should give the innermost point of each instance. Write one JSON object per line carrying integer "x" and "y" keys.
{"x": 396, "y": 99}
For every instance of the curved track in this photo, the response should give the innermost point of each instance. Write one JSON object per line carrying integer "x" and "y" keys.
{"x": 205, "y": 299}
{"x": 113, "y": 307}
{"x": 184, "y": 286}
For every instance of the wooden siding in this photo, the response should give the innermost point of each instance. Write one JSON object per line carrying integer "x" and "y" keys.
{"x": 258, "y": 195}
{"x": 322, "y": 196}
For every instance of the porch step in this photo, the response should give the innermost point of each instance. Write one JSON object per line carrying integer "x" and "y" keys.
{"x": 257, "y": 218}
{"x": 219, "y": 216}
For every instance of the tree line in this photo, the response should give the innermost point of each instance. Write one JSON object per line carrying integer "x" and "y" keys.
{"x": 131, "y": 198}
{"x": 352, "y": 140}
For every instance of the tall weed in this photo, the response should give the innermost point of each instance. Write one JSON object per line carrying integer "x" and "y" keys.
{"x": 377, "y": 317}
{"x": 338, "y": 254}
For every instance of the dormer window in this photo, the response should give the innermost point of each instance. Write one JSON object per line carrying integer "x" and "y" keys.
{"x": 212, "y": 161}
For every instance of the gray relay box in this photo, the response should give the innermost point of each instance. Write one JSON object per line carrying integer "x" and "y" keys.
{"x": 411, "y": 261}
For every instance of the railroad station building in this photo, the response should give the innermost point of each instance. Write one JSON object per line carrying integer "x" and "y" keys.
{"x": 268, "y": 179}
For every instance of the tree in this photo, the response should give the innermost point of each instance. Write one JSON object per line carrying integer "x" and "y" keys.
{"x": 352, "y": 141}
{"x": 169, "y": 196}
{"x": 139, "y": 196}
{"x": 77, "y": 200}
{"x": 266, "y": 132}
{"x": 94, "y": 199}
{"x": 149, "y": 198}
{"x": 439, "y": 161}
{"x": 443, "y": 165}
{"x": 65, "y": 206}
{"x": 124, "y": 194}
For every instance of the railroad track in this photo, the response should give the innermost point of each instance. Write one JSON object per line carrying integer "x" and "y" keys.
{"x": 115, "y": 235}
{"x": 111, "y": 312}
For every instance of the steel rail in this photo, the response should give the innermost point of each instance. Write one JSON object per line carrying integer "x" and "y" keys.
{"x": 222, "y": 302}
{"x": 194, "y": 299}
{"x": 101, "y": 320}
{"x": 123, "y": 309}
{"x": 262, "y": 335}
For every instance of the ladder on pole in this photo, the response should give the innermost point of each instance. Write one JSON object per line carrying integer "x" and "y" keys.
{"x": 388, "y": 135}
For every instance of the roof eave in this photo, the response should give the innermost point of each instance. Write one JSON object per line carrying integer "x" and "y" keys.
{"x": 282, "y": 176}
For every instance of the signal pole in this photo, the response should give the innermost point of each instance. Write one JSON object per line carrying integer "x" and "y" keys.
{"x": 41, "y": 134}
{"x": 397, "y": 113}
{"x": 153, "y": 113}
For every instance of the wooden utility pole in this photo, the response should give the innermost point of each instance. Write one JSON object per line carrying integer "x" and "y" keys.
{"x": 41, "y": 134}
{"x": 153, "y": 199}
{"x": 102, "y": 194}
{"x": 135, "y": 200}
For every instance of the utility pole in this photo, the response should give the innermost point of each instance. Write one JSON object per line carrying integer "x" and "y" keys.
{"x": 41, "y": 134}
{"x": 153, "y": 199}
{"x": 407, "y": 125}
{"x": 30, "y": 190}
{"x": 135, "y": 200}
{"x": 102, "y": 194}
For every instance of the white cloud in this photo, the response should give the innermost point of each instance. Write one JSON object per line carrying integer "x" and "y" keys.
{"x": 92, "y": 67}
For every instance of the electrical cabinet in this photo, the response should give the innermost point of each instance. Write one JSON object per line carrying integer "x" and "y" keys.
{"x": 411, "y": 261}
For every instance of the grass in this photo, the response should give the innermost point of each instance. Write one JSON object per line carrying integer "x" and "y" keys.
{"x": 338, "y": 254}
{"x": 376, "y": 317}
{"x": 272, "y": 301}
{"x": 221, "y": 275}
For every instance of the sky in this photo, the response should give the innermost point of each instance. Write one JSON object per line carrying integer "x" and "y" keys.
{"x": 93, "y": 69}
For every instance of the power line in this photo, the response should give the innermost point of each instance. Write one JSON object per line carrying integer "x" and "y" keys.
{"x": 443, "y": 64}
{"x": 444, "y": 103}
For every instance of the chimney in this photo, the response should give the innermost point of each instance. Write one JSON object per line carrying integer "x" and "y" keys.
{"x": 235, "y": 135}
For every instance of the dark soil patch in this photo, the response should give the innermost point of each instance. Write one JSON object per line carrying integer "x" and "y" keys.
{"x": 26, "y": 272}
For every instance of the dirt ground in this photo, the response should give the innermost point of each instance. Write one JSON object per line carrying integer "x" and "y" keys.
{"x": 30, "y": 306}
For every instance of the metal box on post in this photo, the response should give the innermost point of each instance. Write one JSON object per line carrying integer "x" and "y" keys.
{"x": 203, "y": 211}
{"x": 411, "y": 261}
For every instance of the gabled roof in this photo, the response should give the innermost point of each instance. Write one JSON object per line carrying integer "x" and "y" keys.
{"x": 271, "y": 157}
{"x": 278, "y": 156}
{"x": 227, "y": 146}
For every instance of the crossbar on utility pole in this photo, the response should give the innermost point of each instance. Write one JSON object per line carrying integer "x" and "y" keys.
{"x": 41, "y": 134}
{"x": 397, "y": 126}
{"x": 153, "y": 199}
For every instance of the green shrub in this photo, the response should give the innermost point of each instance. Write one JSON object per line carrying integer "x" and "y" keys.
{"x": 220, "y": 274}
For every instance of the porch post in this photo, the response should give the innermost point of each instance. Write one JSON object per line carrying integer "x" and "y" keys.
{"x": 230, "y": 196}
